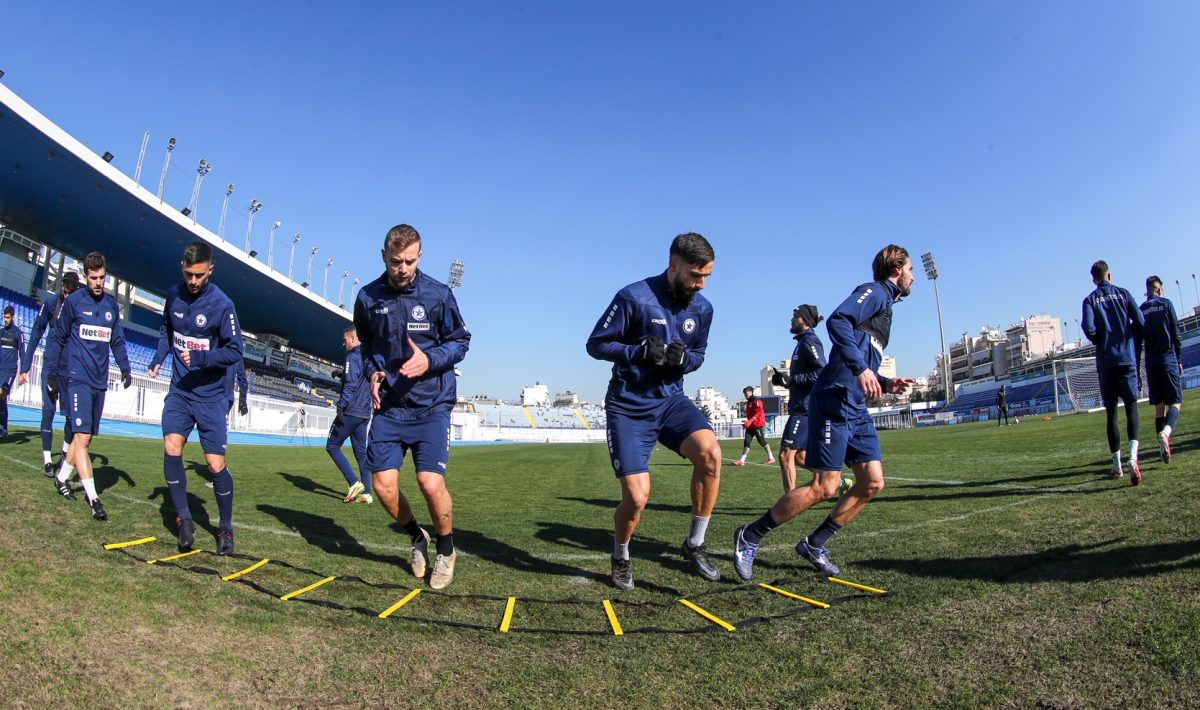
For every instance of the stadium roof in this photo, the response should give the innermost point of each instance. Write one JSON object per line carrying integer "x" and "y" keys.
{"x": 55, "y": 190}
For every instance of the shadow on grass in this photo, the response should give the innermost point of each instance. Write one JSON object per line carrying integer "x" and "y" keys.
{"x": 308, "y": 485}
{"x": 166, "y": 510}
{"x": 324, "y": 533}
{"x": 20, "y": 437}
{"x": 1066, "y": 563}
{"x": 106, "y": 477}
{"x": 683, "y": 508}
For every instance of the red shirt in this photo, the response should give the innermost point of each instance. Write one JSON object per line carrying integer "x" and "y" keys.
{"x": 755, "y": 414}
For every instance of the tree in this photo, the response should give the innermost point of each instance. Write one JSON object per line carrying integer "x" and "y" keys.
{"x": 707, "y": 413}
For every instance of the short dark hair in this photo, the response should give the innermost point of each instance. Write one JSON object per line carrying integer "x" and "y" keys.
{"x": 1152, "y": 283}
{"x": 350, "y": 329}
{"x": 747, "y": 388}
{"x": 8, "y": 310}
{"x": 692, "y": 248}
{"x": 93, "y": 261}
{"x": 197, "y": 253}
{"x": 1100, "y": 270}
{"x": 888, "y": 259}
{"x": 401, "y": 237}
{"x": 70, "y": 282}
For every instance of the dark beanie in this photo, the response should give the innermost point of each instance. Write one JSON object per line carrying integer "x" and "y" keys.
{"x": 809, "y": 314}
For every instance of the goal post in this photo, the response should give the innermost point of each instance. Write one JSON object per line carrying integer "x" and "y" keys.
{"x": 1078, "y": 380}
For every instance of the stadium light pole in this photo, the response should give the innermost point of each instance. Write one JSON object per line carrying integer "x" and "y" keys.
{"x": 271, "y": 243}
{"x": 292, "y": 257}
{"x": 202, "y": 170}
{"x": 931, "y": 273}
{"x": 1180, "y": 289}
{"x": 162, "y": 179}
{"x": 342, "y": 290}
{"x": 1197, "y": 288}
{"x": 325, "y": 280}
{"x": 456, "y": 274}
{"x": 308, "y": 274}
{"x": 224, "y": 210}
{"x": 255, "y": 206}
{"x": 137, "y": 172}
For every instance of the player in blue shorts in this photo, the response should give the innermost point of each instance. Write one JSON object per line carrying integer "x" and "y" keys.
{"x": 44, "y": 321}
{"x": 1112, "y": 320}
{"x": 655, "y": 331}
{"x": 88, "y": 327}
{"x": 201, "y": 330}
{"x": 351, "y": 422}
{"x": 12, "y": 349}
{"x": 808, "y": 359}
{"x": 412, "y": 336}
{"x": 1162, "y": 345}
{"x": 840, "y": 430}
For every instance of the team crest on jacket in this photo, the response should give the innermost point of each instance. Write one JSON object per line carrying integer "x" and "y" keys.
{"x": 418, "y": 312}
{"x": 108, "y": 316}
{"x": 201, "y": 320}
{"x": 689, "y": 325}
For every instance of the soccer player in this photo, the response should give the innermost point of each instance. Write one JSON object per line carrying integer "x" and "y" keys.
{"x": 655, "y": 331}
{"x": 89, "y": 327}
{"x": 1164, "y": 363}
{"x": 840, "y": 429}
{"x": 12, "y": 347}
{"x": 412, "y": 336}
{"x": 44, "y": 321}
{"x": 808, "y": 359}
{"x": 1111, "y": 320}
{"x": 205, "y": 341}
{"x": 755, "y": 424}
{"x": 353, "y": 416}
{"x": 1002, "y": 406}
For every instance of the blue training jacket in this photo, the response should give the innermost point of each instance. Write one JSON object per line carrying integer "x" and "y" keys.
{"x": 12, "y": 349}
{"x": 1160, "y": 339}
{"x": 355, "y": 399}
{"x": 206, "y": 325}
{"x": 236, "y": 380}
{"x": 1111, "y": 320}
{"x": 426, "y": 312}
{"x": 44, "y": 320}
{"x": 859, "y": 331}
{"x": 642, "y": 310}
{"x": 808, "y": 359}
{"x": 84, "y": 332}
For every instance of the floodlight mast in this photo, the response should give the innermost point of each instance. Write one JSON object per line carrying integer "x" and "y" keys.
{"x": 931, "y": 273}
{"x": 308, "y": 275}
{"x": 162, "y": 179}
{"x": 255, "y": 206}
{"x": 292, "y": 256}
{"x": 342, "y": 289}
{"x": 202, "y": 170}
{"x": 271, "y": 244}
{"x": 325, "y": 280}
{"x": 224, "y": 210}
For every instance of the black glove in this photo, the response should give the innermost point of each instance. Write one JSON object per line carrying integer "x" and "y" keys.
{"x": 675, "y": 355}
{"x": 654, "y": 350}
{"x": 126, "y": 379}
{"x": 243, "y": 408}
{"x": 52, "y": 385}
{"x": 338, "y": 420}
{"x": 779, "y": 378}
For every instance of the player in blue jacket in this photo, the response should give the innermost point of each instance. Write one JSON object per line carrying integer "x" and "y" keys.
{"x": 412, "y": 336}
{"x": 654, "y": 332}
{"x": 88, "y": 327}
{"x": 12, "y": 349}
{"x": 840, "y": 429}
{"x": 808, "y": 359}
{"x": 201, "y": 327}
{"x": 41, "y": 325}
{"x": 353, "y": 416}
{"x": 1163, "y": 348}
{"x": 1112, "y": 321}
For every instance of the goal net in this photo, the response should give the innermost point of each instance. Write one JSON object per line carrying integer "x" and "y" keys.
{"x": 1082, "y": 383}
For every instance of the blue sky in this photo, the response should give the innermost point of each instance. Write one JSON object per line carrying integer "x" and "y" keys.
{"x": 557, "y": 147}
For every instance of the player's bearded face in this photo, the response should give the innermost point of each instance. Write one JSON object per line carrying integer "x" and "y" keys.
{"x": 686, "y": 280}
{"x": 402, "y": 264}
{"x": 196, "y": 276}
{"x": 95, "y": 281}
{"x": 905, "y": 281}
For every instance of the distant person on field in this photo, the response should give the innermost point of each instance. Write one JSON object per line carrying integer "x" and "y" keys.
{"x": 654, "y": 332}
{"x": 755, "y": 424}
{"x": 88, "y": 327}
{"x": 1002, "y": 406}
{"x": 840, "y": 429}
{"x": 353, "y": 416}
{"x": 1111, "y": 320}
{"x": 12, "y": 348}
{"x": 1161, "y": 343}
{"x": 808, "y": 359}
{"x": 201, "y": 330}
{"x": 44, "y": 323}
{"x": 412, "y": 336}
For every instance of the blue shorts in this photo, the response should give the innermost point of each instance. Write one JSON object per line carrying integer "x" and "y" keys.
{"x": 392, "y": 436}
{"x": 180, "y": 415}
{"x": 1118, "y": 382}
{"x": 6, "y": 384}
{"x": 1164, "y": 384}
{"x": 631, "y": 437}
{"x": 84, "y": 408}
{"x": 795, "y": 433}
{"x": 838, "y": 437}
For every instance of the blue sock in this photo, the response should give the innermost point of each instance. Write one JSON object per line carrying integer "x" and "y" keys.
{"x": 1172, "y": 417}
{"x": 1158, "y": 423}
{"x": 223, "y": 487}
{"x": 366, "y": 477}
{"x": 756, "y": 531}
{"x": 177, "y": 484}
{"x": 339, "y": 460}
{"x": 823, "y": 532}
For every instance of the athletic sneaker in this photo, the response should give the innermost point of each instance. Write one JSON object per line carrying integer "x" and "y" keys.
{"x": 1164, "y": 447}
{"x": 187, "y": 533}
{"x": 818, "y": 557}
{"x": 98, "y": 512}
{"x": 700, "y": 560}
{"x": 443, "y": 571}
{"x": 739, "y": 462}
{"x": 770, "y": 460}
{"x": 354, "y": 491}
{"x": 224, "y": 541}
{"x": 622, "y": 575}
{"x": 64, "y": 489}
{"x": 743, "y": 554}
{"x": 1115, "y": 472}
{"x": 420, "y": 555}
{"x": 48, "y": 470}
{"x": 1135, "y": 474}
{"x": 364, "y": 498}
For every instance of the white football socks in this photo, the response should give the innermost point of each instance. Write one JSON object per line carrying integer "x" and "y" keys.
{"x": 45, "y": 457}
{"x": 89, "y": 488}
{"x": 1133, "y": 449}
{"x": 620, "y": 550}
{"x": 699, "y": 528}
